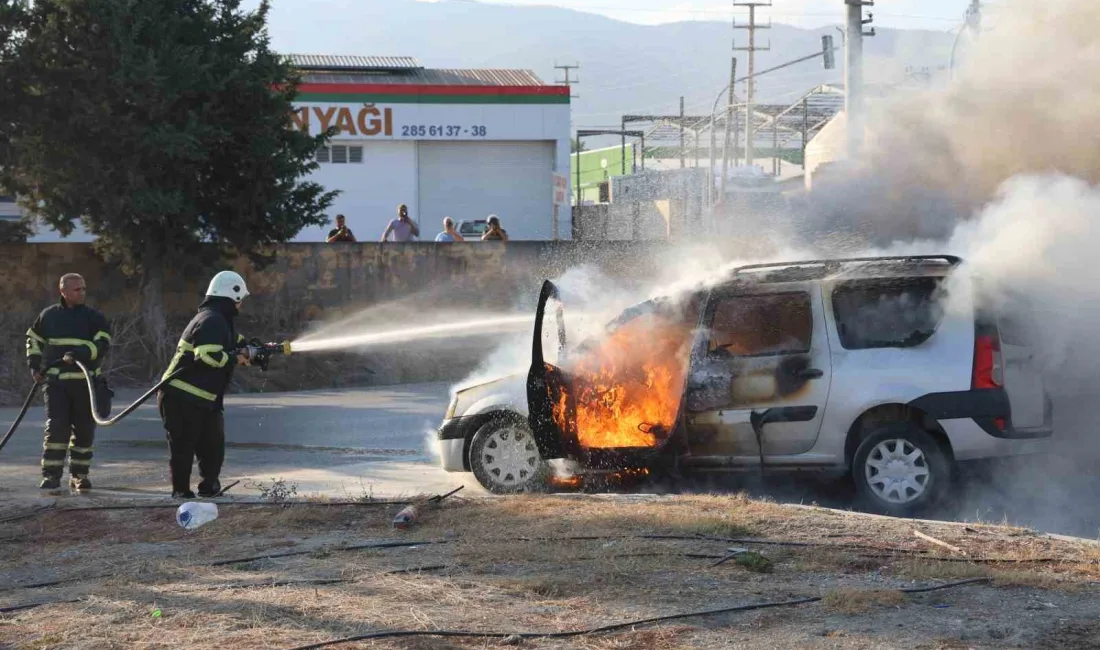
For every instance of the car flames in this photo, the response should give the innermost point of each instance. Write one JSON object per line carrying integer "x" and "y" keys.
{"x": 627, "y": 386}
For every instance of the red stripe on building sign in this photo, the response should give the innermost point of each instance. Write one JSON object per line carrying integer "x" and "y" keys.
{"x": 414, "y": 89}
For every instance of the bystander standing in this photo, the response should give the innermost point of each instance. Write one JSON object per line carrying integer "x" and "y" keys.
{"x": 449, "y": 233}
{"x": 495, "y": 231}
{"x": 402, "y": 228}
{"x": 341, "y": 232}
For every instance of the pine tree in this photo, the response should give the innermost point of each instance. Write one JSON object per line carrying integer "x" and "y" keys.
{"x": 162, "y": 127}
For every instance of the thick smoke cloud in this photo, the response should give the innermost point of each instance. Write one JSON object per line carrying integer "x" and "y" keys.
{"x": 1000, "y": 165}
{"x": 1024, "y": 102}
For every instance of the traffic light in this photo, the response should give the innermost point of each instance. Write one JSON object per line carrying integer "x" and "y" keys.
{"x": 827, "y": 51}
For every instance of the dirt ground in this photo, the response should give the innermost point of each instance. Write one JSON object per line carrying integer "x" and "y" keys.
{"x": 132, "y": 578}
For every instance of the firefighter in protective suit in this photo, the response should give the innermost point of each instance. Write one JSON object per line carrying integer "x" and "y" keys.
{"x": 63, "y": 332}
{"x": 191, "y": 405}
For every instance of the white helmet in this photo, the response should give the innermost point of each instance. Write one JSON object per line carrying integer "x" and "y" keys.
{"x": 228, "y": 284}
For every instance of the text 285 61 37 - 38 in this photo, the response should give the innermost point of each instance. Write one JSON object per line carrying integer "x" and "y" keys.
{"x": 443, "y": 131}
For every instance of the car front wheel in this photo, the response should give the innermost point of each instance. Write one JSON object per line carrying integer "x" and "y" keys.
{"x": 900, "y": 469}
{"x": 505, "y": 458}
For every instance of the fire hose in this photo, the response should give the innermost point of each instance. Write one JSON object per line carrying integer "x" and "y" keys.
{"x": 258, "y": 353}
{"x": 22, "y": 412}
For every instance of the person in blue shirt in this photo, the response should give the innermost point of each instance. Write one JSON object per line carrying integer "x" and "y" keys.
{"x": 449, "y": 233}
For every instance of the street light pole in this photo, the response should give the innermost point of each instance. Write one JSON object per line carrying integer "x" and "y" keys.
{"x": 731, "y": 105}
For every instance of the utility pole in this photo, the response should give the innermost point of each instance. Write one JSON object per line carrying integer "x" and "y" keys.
{"x": 853, "y": 72}
{"x": 972, "y": 27}
{"x": 567, "y": 81}
{"x": 750, "y": 114}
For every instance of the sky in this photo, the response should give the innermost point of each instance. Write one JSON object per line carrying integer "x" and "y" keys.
{"x": 940, "y": 15}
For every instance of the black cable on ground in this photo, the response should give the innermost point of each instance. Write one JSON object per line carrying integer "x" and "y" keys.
{"x": 28, "y": 515}
{"x": 416, "y": 569}
{"x": 19, "y": 418}
{"x": 353, "y": 547}
{"x": 283, "y": 583}
{"x": 19, "y": 608}
{"x": 226, "y": 489}
{"x": 606, "y": 628}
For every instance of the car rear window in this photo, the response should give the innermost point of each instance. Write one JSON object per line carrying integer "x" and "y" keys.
{"x": 896, "y": 313}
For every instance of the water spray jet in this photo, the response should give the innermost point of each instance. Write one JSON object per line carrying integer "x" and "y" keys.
{"x": 500, "y": 324}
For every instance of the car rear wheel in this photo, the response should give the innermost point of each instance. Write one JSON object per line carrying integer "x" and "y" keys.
{"x": 900, "y": 469}
{"x": 505, "y": 458}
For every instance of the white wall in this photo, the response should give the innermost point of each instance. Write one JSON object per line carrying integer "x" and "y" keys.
{"x": 371, "y": 190}
{"x": 388, "y": 174}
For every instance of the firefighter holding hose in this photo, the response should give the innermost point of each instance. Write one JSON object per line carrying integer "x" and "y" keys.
{"x": 62, "y": 333}
{"x": 191, "y": 404}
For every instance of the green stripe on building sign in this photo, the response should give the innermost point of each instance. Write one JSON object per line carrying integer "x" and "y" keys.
{"x": 357, "y": 98}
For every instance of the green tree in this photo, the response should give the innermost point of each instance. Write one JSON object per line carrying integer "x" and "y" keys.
{"x": 160, "y": 126}
{"x": 12, "y": 27}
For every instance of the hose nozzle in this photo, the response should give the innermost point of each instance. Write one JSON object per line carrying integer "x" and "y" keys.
{"x": 260, "y": 353}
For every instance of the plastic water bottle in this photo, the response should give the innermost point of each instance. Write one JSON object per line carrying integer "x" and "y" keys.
{"x": 193, "y": 514}
{"x": 405, "y": 518}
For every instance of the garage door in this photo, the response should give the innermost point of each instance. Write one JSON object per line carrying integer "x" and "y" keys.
{"x": 471, "y": 180}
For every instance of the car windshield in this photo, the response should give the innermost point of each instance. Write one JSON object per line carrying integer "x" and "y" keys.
{"x": 473, "y": 227}
{"x": 664, "y": 310}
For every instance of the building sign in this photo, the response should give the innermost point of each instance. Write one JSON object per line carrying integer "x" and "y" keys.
{"x": 367, "y": 121}
{"x": 371, "y": 121}
{"x": 561, "y": 188}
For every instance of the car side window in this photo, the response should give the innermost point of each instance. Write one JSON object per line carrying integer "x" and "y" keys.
{"x": 895, "y": 313}
{"x": 761, "y": 325}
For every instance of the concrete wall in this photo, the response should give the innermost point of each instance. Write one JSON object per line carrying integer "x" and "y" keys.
{"x": 321, "y": 278}
{"x": 313, "y": 284}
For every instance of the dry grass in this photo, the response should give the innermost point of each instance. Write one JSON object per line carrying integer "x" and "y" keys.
{"x": 845, "y": 600}
{"x": 1059, "y": 577}
{"x": 510, "y": 563}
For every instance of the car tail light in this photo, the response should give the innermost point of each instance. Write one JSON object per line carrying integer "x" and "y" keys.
{"x": 988, "y": 368}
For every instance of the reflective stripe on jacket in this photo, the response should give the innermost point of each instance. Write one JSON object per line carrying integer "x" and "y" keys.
{"x": 62, "y": 329}
{"x": 206, "y": 351}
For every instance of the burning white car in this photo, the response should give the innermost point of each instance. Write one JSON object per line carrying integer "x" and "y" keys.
{"x": 889, "y": 368}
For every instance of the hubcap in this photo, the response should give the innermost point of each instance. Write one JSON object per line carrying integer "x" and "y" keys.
{"x": 510, "y": 456}
{"x": 897, "y": 471}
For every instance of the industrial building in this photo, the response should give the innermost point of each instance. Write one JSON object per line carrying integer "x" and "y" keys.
{"x": 458, "y": 143}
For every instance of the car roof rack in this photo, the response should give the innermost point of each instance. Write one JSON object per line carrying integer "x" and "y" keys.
{"x": 838, "y": 262}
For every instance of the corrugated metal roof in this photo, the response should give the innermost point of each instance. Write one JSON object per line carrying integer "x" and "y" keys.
{"x": 429, "y": 77}
{"x": 350, "y": 62}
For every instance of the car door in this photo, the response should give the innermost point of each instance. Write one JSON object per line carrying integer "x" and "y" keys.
{"x": 764, "y": 357}
{"x": 551, "y": 403}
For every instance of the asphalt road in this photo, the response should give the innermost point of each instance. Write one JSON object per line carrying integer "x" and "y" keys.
{"x": 337, "y": 443}
{"x": 379, "y": 441}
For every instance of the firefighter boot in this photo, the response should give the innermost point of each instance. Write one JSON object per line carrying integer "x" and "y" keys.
{"x": 50, "y": 482}
{"x": 209, "y": 488}
{"x": 79, "y": 483}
